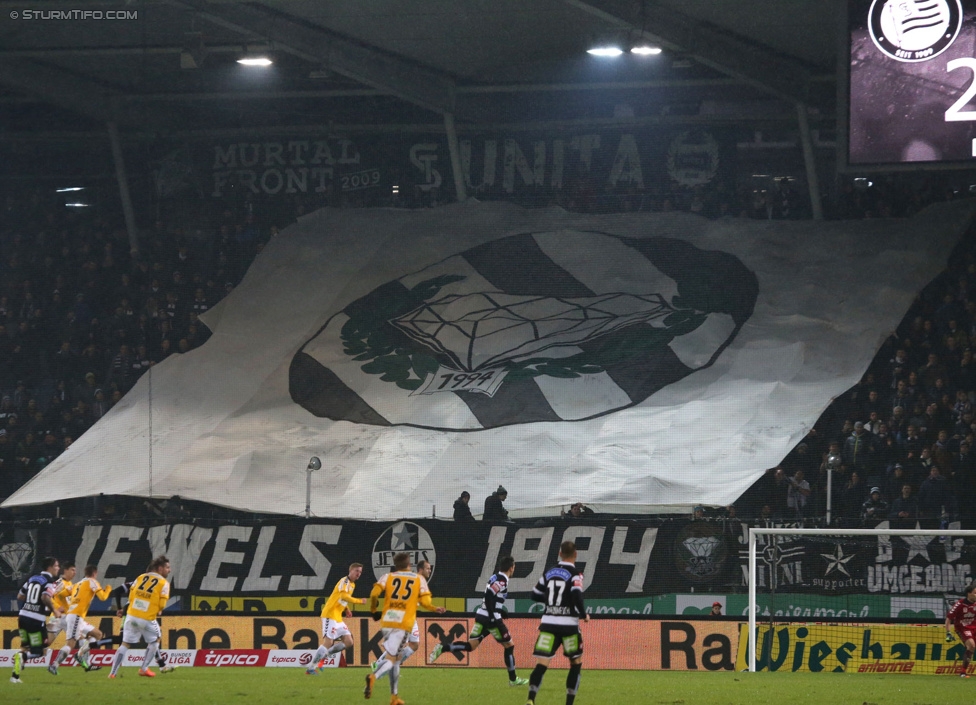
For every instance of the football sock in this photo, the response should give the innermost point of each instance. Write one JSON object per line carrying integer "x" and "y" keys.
{"x": 967, "y": 657}
{"x": 151, "y": 651}
{"x": 319, "y": 655}
{"x": 119, "y": 657}
{"x": 510, "y": 662}
{"x": 535, "y": 680}
{"x": 394, "y": 678}
{"x": 336, "y": 648}
{"x": 405, "y": 654}
{"x": 572, "y": 682}
{"x": 459, "y": 646}
{"x": 386, "y": 664}
{"x": 62, "y": 655}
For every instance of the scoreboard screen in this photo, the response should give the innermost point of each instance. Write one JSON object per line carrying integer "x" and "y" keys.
{"x": 912, "y": 81}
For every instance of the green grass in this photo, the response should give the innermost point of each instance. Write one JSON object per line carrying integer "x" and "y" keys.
{"x": 222, "y": 686}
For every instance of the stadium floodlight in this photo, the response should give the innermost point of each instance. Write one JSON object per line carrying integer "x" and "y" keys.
{"x": 70, "y": 189}
{"x": 313, "y": 464}
{"x": 77, "y": 205}
{"x": 259, "y": 60}
{"x": 644, "y": 49}
{"x": 605, "y": 50}
{"x": 881, "y": 533}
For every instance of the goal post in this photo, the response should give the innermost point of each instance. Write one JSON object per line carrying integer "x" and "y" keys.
{"x": 753, "y": 563}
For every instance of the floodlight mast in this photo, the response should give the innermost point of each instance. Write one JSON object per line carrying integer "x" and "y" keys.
{"x": 313, "y": 464}
{"x": 755, "y": 532}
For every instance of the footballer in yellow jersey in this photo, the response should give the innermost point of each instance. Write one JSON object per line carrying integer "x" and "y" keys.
{"x": 336, "y": 636}
{"x": 80, "y": 633}
{"x": 402, "y": 592}
{"x": 61, "y": 598}
{"x": 147, "y": 598}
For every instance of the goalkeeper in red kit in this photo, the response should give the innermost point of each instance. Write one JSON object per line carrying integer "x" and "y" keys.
{"x": 962, "y": 617}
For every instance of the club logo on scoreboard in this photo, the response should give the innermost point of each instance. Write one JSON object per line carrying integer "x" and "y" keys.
{"x": 914, "y": 30}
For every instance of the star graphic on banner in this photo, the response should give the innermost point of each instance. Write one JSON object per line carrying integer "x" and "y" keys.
{"x": 917, "y": 545}
{"x": 837, "y": 561}
{"x": 403, "y": 539}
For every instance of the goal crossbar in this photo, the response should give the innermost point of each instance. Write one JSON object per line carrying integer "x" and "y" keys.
{"x": 756, "y": 532}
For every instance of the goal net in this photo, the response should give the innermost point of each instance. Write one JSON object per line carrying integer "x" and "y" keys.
{"x": 888, "y": 589}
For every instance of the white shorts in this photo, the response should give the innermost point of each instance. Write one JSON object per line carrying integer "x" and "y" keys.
{"x": 138, "y": 628}
{"x": 55, "y": 625}
{"x": 414, "y": 634}
{"x": 334, "y": 630}
{"x": 76, "y": 627}
{"x": 393, "y": 640}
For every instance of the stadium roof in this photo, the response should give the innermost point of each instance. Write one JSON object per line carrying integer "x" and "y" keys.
{"x": 385, "y": 64}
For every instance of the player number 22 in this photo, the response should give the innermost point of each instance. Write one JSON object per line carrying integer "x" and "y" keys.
{"x": 955, "y": 112}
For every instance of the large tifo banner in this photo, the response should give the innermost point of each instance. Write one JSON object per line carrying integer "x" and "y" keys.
{"x": 634, "y": 362}
{"x": 294, "y": 564}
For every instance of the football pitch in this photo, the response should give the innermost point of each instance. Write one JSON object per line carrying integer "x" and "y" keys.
{"x": 219, "y": 686}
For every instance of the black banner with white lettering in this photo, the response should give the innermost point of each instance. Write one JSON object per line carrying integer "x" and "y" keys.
{"x": 294, "y": 557}
{"x": 493, "y": 165}
{"x": 619, "y": 559}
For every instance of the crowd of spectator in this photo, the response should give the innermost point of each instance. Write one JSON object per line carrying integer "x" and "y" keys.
{"x": 82, "y": 318}
{"x": 900, "y": 445}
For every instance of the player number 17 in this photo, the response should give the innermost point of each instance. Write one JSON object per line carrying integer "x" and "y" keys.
{"x": 556, "y": 588}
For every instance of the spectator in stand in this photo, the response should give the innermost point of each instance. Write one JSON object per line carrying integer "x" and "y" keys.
{"x": 7, "y": 409}
{"x": 577, "y": 511}
{"x": 50, "y": 448}
{"x": 965, "y": 374}
{"x": 887, "y": 452}
{"x": 870, "y": 405}
{"x": 964, "y": 461}
{"x": 857, "y": 448}
{"x": 935, "y": 496}
{"x": 120, "y": 371}
{"x": 874, "y": 509}
{"x": 798, "y": 495}
{"x": 86, "y": 390}
{"x": 27, "y": 454}
{"x": 462, "y": 512}
{"x": 777, "y": 498}
{"x": 852, "y": 497}
{"x": 932, "y": 370}
{"x": 495, "y": 511}
{"x": 905, "y": 505}
{"x": 140, "y": 361}
{"x": 895, "y": 478}
{"x": 100, "y": 406}
{"x": 910, "y": 440}
{"x": 963, "y": 426}
{"x": 941, "y": 455}
{"x": 873, "y": 424}
{"x": 898, "y": 367}
{"x": 65, "y": 365}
